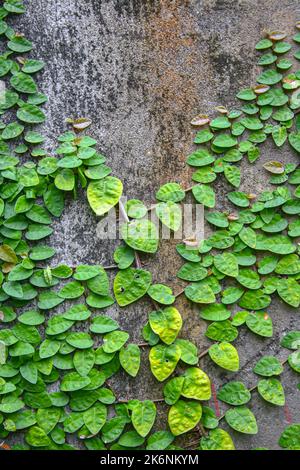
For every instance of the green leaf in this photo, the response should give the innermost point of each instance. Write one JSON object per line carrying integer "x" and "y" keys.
{"x": 290, "y": 438}
{"x": 238, "y": 198}
{"x": 294, "y": 140}
{"x": 161, "y": 294}
{"x": 57, "y": 324}
{"x": 248, "y": 236}
{"x": 19, "y": 44}
{"x": 215, "y": 312}
{"x": 255, "y": 300}
{"x": 130, "y": 359}
{"x": 234, "y": 393}
{"x": 36, "y": 437}
{"x": 143, "y": 417}
{"x": 201, "y": 158}
{"x": 192, "y": 272}
{"x": 272, "y": 391}
{"x": 23, "y": 83}
{"x": 49, "y": 348}
{"x": 94, "y": 418}
{"x": 30, "y": 114}
{"x": 268, "y": 366}
{"x": 72, "y": 290}
{"x": 200, "y": 292}
{"x": 29, "y": 372}
{"x": 189, "y": 352}
{"x": 279, "y": 134}
{"x": 241, "y": 419}
{"x": 172, "y": 390}
{"x": 217, "y": 439}
{"x": 289, "y": 291}
{"x": 269, "y": 77}
{"x": 114, "y": 341}
{"x": 169, "y": 214}
{"x": 124, "y": 256}
{"x": 289, "y": 264}
{"x": 221, "y": 331}
{"x": 196, "y": 384}
{"x": 130, "y": 285}
{"x": 84, "y": 272}
{"x": 103, "y": 324}
{"x": 65, "y": 180}
{"x": 291, "y": 340}
{"x": 225, "y": 355}
{"x": 184, "y": 416}
{"x": 83, "y": 361}
{"x": 73, "y": 381}
{"x": 227, "y": 264}
{"x": 293, "y": 360}
{"x": 170, "y": 192}
{"x": 112, "y": 429}
{"x": 47, "y": 418}
{"x": 204, "y": 195}
{"x": 159, "y": 440}
{"x": 135, "y": 209}
{"x": 260, "y": 323}
{"x": 166, "y": 324}
{"x": 224, "y": 141}
{"x": 140, "y": 235}
{"x": 12, "y": 130}
{"x": 249, "y": 279}
{"x": 131, "y": 439}
{"x": 104, "y": 194}
{"x": 233, "y": 175}
{"x": 163, "y": 360}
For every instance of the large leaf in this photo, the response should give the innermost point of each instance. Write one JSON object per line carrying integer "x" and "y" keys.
{"x": 163, "y": 360}
{"x": 227, "y": 264}
{"x": 169, "y": 214}
{"x": 241, "y": 419}
{"x": 225, "y": 355}
{"x": 217, "y": 439}
{"x": 234, "y": 393}
{"x": 166, "y": 324}
{"x": 143, "y": 417}
{"x": 104, "y": 194}
{"x": 184, "y": 416}
{"x": 130, "y": 358}
{"x": 272, "y": 391}
{"x": 130, "y": 285}
{"x": 141, "y": 235}
{"x": 196, "y": 384}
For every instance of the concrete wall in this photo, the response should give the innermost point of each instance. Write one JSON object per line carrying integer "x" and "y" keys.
{"x": 141, "y": 69}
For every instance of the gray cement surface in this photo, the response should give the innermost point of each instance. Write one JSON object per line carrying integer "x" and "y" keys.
{"x": 141, "y": 70}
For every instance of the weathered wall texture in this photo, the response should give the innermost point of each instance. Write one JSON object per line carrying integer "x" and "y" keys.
{"x": 141, "y": 69}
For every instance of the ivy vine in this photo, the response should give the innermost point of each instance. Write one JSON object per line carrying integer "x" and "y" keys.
{"x": 55, "y": 367}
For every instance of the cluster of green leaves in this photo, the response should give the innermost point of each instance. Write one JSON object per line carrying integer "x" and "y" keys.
{"x": 252, "y": 253}
{"x": 54, "y": 368}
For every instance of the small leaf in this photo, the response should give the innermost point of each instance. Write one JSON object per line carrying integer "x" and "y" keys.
{"x": 225, "y": 355}
{"x": 163, "y": 360}
{"x": 130, "y": 358}
{"x": 104, "y": 194}
{"x": 184, "y": 416}
{"x": 166, "y": 324}
{"x": 272, "y": 391}
{"x": 234, "y": 393}
{"x": 143, "y": 417}
{"x": 241, "y": 419}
